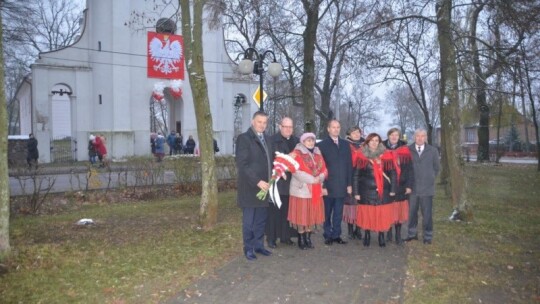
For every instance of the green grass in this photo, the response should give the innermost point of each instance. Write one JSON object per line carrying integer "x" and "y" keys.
{"x": 493, "y": 259}
{"x": 136, "y": 253}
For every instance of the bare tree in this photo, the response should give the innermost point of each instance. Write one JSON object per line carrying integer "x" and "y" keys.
{"x": 4, "y": 173}
{"x": 450, "y": 114}
{"x": 192, "y": 29}
{"x": 404, "y": 110}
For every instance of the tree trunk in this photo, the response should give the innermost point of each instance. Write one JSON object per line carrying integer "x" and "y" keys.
{"x": 480, "y": 89}
{"x": 450, "y": 116}
{"x": 308, "y": 78}
{"x": 531, "y": 99}
{"x": 4, "y": 177}
{"x": 192, "y": 31}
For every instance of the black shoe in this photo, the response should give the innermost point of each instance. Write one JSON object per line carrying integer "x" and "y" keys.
{"x": 339, "y": 241}
{"x": 367, "y": 238}
{"x": 399, "y": 241}
{"x": 301, "y": 241}
{"x": 427, "y": 242}
{"x": 350, "y": 229}
{"x": 287, "y": 242}
{"x": 411, "y": 238}
{"x": 328, "y": 242}
{"x": 382, "y": 243}
{"x": 250, "y": 255}
{"x": 263, "y": 251}
{"x": 307, "y": 240}
{"x": 272, "y": 244}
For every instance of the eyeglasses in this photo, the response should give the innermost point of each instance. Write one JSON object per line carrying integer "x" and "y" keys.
{"x": 288, "y": 127}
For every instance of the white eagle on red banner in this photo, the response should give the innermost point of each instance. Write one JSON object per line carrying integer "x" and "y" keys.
{"x": 165, "y": 55}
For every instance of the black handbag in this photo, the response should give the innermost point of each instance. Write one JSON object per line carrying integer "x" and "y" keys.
{"x": 350, "y": 200}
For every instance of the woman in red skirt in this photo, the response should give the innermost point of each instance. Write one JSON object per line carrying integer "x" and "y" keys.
{"x": 374, "y": 185}
{"x": 306, "y": 208}
{"x": 355, "y": 139}
{"x": 402, "y": 164}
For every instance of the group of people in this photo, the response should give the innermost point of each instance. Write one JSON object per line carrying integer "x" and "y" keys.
{"x": 176, "y": 144}
{"x": 97, "y": 149}
{"x": 370, "y": 184}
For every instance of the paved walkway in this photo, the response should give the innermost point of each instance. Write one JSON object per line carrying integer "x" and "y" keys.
{"x": 333, "y": 274}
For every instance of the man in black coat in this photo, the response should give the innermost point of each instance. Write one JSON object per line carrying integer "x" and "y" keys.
{"x": 426, "y": 166}
{"x": 32, "y": 151}
{"x": 277, "y": 225}
{"x": 337, "y": 156}
{"x": 254, "y": 166}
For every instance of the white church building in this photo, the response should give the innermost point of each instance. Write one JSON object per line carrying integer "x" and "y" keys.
{"x": 100, "y": 85}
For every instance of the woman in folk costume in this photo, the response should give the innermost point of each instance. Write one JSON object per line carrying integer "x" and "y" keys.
{"x": 355, "y": 139}
{"x": 306, "y": 208}
{"x": 402, "y": 160}
{"x": 374, "y": 185}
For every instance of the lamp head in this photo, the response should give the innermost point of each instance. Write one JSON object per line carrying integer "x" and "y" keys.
{"x": 274, "y": 69}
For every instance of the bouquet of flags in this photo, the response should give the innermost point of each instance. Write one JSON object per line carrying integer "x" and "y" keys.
{"x": 283, "y": 163}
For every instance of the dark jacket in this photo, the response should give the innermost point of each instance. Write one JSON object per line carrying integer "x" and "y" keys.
{"x": 91, "y": 149}
{"x": 426, "y": 167}
{"x": 190, "y": 146}
{"x": 281, "y": 144}
{"x": 364, "y": 179}
{"x": 339, "y": 164}
{"x": 252, "y": 165}
{"x": 32, "y": 148}
{"x": 406, "y": 177}
{"x": 216, "y": 148}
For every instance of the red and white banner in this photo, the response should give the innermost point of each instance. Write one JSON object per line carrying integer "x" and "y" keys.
{"x": 165, "y": 56}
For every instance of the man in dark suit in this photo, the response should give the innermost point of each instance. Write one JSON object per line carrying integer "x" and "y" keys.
{"x": 277, "y": 225}
{"x": 426, "y": 166}
{"x": 337, "y": 156}
{"x": 253, "y": 162}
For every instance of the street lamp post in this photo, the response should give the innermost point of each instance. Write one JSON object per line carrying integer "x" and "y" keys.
{"x": 253, "y": 62}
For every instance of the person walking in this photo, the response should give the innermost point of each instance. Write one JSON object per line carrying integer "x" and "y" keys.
{"x": 170, "y": 142}
{"x": 306, "y": 208}
{"x": 426, "y": 166}
{"x": 253, "y": 158}
{"x": 190, "y": 145}
{"x": 337, "y": 156}
{"x": 178, "y": 144}
{"x": 277, "y": 225}
{"x": 160, "y": 147}
{"x": 32, "y": 152}
{"x": 402, "y": 160}
{"x": 355, "y": 139}
{"x": 101, "y": 150}
{"x": 92, "y": 149}
{"x": 374, "y": 187}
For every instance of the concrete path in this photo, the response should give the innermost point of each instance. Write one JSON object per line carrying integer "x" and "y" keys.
{"x": 333, "y": 274}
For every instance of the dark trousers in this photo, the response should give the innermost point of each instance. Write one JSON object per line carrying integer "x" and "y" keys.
{"x": 253, "y": 223}
{"x": 333, "y": 212}
{"x": 425, "y": 204}
{"x": 277, "y": 225}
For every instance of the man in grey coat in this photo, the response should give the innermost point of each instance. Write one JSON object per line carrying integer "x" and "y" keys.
{"x": 426, "y": 167}
{"x": 254, "y": 152}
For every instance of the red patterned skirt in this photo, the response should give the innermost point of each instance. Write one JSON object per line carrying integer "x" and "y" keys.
{"x": 349, "y": 214}
{"x": 375, "y": 218}
{"x": 401, "y": 211}
{"x": 304, "y": 212}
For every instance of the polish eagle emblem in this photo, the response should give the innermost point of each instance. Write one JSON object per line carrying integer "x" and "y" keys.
{"x": 165, "y": 56}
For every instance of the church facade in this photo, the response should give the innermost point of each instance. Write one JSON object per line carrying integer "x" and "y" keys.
{"x": 100, "y": 85}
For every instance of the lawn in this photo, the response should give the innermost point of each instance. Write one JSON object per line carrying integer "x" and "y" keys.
{"x": 137, "y": 252}
{"x": 493, "y": 259}
{"x": 147, "y": 252}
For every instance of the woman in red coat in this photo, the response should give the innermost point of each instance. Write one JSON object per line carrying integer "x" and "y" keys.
{"x": 374, "y": 185}
{"x": 101, "y": 150}
{"x": 355, "y": 139}
{"x": 402, "y": 164}
{"x": 306, "y": 208}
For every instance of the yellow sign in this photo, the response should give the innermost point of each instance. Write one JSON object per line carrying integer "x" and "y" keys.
{"x": 257, "y": 95}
